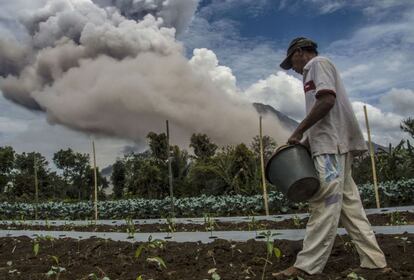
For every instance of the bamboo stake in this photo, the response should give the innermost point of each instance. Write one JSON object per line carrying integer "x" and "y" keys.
{"x": 263, "y": 171}
{"x": 170, "y": 179}
{"x": 95, "y": 182}
{"x": 36, "y": 186}
{"x": 371, "y": 152}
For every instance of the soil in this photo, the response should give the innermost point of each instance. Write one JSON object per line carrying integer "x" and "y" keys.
{"x": 402, "y": 218}
{"x": 232, "y": 260}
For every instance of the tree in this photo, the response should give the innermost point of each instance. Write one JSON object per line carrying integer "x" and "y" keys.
{"x": 76, "y": 169}
{"x": 269, "y": 146}
{"x": 203, "y": 148}
{"x": 23, "y": 177}
{"x": 407, "y": 125}
{"x": 146, "y": 175}
{"x": 118, "y": 178}
{"x": 180, "y": 167}
{"x": 237, "y": 169}
{"x": 158, "y": 145}
{"x": 7, "y": 155}
{"x": 392, "y": 163}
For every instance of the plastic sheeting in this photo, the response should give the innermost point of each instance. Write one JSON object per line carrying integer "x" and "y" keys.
{"x": 275, "y": 218}
{"x": 204, "y": 237}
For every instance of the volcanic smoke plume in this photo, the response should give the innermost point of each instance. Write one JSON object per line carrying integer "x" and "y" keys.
{"x": 114, "y": 67}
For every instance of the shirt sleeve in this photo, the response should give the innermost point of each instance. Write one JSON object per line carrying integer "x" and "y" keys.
{"x": 323, "y": 74}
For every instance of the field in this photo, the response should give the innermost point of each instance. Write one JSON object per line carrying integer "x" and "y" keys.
{"x": 59, "y": 257}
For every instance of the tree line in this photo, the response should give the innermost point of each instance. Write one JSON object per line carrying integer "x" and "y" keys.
{"x": 209, "y": 169}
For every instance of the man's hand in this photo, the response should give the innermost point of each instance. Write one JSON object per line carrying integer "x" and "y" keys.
{"x": 295, "y": 138}
{"x": 324, "y": 103}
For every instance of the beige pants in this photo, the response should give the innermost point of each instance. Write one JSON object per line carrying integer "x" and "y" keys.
{"x": 338, "y": 198}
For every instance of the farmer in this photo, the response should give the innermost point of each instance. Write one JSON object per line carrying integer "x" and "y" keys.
{"x": 331, "y": 131}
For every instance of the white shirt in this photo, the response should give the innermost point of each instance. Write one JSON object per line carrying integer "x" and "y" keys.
{"x": 338, "y": 131}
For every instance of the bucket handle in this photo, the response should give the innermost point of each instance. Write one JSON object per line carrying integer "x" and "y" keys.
{"x": 282, "y": 148}
{"x": 285, "y": 146}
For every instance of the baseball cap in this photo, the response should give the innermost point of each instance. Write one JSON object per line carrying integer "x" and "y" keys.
{"x": 296, "y": 43}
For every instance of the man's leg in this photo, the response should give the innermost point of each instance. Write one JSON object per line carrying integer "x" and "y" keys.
{"x": 355, "y": 221}
{"x": 325, "y": 208}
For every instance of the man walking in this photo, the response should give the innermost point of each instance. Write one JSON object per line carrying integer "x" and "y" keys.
{"x": 333, "y": 135}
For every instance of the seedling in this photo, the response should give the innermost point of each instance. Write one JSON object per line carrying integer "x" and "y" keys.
{"x": 354, "y": 275}
{"x": 270, "y": 251}
{"x": 210, "y": 224}
{"x": 252, "y": 225}
{"x": 404, "y": 242}
{"x": 152, "y": 244}
{"x": 296, "y": 221}
{"x": 36, "y": 247}
{"x": 214, "y": 274}
{"x": 171, "y": 227}
{"x": 130, "y": 228}
{"x": 93, "y": 276}
{"x": 55, "y": 271}
{"x": 396, "y": 219}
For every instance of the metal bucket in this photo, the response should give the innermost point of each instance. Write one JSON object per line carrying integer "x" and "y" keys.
{"x": 292, "y": 171}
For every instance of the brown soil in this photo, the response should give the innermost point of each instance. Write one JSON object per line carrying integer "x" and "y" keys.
{"x": 233, "y": 260}
{"x": 403, "y": 218}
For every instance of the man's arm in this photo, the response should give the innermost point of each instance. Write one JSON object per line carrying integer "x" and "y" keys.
{"x": 323, "y": 104}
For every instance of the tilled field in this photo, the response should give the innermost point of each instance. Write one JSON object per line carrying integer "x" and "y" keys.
{"x": 86, "y": 259}
{"x": 390, "y": 219}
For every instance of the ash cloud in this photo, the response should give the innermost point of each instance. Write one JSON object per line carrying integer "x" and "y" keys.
{"x": 115, "y": 68}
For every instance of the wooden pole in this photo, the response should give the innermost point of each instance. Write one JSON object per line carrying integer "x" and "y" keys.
{"x": 371, "y": 152}
{"x": 95, "y": 182}
{"x": 36, "y": 186}
{"x": 263, "y": 171}
{"x": 170, "y": 179}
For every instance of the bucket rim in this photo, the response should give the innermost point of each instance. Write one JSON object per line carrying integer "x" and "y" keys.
{"x": 277, "y": 152}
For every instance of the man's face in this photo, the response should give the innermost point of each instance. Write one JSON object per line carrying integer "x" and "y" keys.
{"x": 298, "y": 61}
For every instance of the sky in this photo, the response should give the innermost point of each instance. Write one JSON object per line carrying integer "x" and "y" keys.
{"x": 113, "y": 70}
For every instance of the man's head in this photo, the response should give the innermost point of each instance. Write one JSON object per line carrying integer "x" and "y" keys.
{"x": 299, "y": 52}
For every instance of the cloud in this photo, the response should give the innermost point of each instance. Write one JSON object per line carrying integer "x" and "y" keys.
{"x": 221, "y": 76}
{"x": 175, "y": 13}
{"x": 218, "y": 7}
{"x": 96, "y": 71}
{"x": 282, "y": 91}
{"x": 400, "y": 101}
{"x": 41, "y": 137}
{"x": 10, "y": 126}
{"x": 249, "y": 60}
{"x": 384, "y": 126}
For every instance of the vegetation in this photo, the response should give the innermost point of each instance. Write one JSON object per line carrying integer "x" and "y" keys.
{"x": 205, "y": 170}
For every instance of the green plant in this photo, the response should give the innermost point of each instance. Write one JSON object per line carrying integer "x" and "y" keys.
{"x": 130, "y": 228}
{"x": 36, "y": 247}
{"x": 171, "y": 226}
{"x": 271, "y": 250}
{"x": 210, "y": 224}
{"x": 396, "y": 219}
{"x": 93, "y": 276}
{"x": 252, "y": 225}
{"x": 55, "y": 271}
{"x": 354, "y": 275}
{"x": 404, "y": 242}
{"x": 297, "y": 221}
{"x": 152, "y": 244}
{"x": 214, "y": 274}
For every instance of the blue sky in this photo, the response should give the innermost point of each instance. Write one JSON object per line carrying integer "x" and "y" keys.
{"x": 371, "y": 43}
